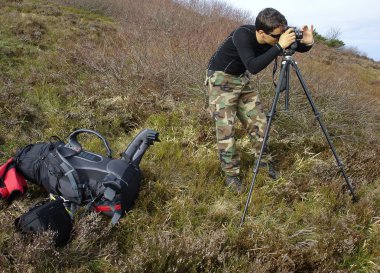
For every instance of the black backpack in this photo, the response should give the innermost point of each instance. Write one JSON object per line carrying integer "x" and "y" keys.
{"x": 85, "y": 178}
{"x": 47, "y": 215}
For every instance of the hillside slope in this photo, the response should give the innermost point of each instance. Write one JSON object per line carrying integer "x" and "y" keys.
{"x": 121, "y": 66}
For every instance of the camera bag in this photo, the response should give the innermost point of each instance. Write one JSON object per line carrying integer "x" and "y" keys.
{"x": 47, "y": 215}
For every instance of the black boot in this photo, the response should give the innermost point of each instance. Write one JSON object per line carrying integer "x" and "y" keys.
{"x": 234, "y": 183}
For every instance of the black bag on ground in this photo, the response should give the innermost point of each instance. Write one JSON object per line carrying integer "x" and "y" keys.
{"x": 47, "y": 215}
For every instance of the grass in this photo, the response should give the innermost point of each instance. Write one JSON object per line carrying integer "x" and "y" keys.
{"x": 83, "y": 64}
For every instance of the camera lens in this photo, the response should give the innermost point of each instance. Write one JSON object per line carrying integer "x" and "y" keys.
{"x": 299, "y": 34}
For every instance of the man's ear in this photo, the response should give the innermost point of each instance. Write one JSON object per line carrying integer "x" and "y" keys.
{"x": 261, "y": 33}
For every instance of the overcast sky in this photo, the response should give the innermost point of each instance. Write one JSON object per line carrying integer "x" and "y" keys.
{"x": 357, "y": 21}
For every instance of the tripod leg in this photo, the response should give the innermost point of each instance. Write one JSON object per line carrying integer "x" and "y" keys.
{"x": 287, "y": 75}
{"x": 323, "y": 127}
{"x": 266, "y": 136}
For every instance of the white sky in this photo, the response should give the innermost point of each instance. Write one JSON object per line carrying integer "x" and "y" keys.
{"x": 357, "y": 20}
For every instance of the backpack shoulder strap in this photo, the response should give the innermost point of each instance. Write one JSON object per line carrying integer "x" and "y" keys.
{"x": 71, "y": 174}
{"x": 67, "y": 170}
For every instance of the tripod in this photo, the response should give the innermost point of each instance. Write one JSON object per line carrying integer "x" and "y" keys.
{"x": 283, "y": 84}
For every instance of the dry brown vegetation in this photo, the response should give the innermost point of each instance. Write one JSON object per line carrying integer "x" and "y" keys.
{"x": 123, "y": 65}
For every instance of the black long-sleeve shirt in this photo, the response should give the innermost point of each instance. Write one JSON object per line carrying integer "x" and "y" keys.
{"x": 241, "y": 51}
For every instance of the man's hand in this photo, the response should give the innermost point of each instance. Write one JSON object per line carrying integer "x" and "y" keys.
{"x": 307, "y": 35}
{"x": 287, "y": 38}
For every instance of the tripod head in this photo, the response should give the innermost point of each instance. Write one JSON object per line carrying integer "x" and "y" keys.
{"x": 290, "y": 50}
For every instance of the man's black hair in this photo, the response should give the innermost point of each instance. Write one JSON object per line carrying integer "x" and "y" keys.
{"x": 268, "y": 19}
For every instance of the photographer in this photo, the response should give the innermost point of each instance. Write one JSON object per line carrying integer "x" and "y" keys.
{"x": 249, "y": 48}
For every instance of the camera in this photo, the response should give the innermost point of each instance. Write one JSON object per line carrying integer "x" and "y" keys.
{"x": 298, "y": 32}
{"x": 299, "y": 35}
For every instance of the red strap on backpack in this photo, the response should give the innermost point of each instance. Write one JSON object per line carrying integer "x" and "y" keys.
{"x": 12, "y": 183}
{"x": 107, "y": 208}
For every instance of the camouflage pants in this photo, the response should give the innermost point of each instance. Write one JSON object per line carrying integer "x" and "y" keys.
{"x": 230, "y": 97}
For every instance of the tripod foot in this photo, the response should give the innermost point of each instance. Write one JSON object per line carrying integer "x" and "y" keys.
{"x": 268, "y": 166}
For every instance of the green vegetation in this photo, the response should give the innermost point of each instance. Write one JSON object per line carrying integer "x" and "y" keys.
{"x": 121, "y": 66}
{"x": 330, "y": 42}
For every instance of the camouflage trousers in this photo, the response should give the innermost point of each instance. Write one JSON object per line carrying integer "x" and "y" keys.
{"x": 232, "y": 97}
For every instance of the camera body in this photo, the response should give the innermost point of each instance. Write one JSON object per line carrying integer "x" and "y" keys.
{"x": 298, "y": 32}
{"x": 299, "y": 35}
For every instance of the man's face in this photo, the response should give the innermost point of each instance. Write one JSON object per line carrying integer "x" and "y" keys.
{"x": 272, "y": 37}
